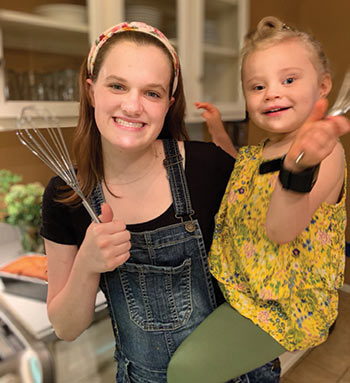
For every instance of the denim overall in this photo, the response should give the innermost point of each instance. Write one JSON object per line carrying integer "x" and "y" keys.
{"x": 164, "y": 290}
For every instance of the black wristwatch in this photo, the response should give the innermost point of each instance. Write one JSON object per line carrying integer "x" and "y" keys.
{"x": 302, "y": 182}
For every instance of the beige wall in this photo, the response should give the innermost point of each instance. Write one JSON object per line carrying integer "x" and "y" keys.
{"x": 16, "y": 157}
{"x": 328, "y": 21}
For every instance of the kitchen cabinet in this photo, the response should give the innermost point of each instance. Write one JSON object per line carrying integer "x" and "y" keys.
{"x": 40, "y": 57}
{"x": 211, "y": 33}
{"x": 40, "y": 52}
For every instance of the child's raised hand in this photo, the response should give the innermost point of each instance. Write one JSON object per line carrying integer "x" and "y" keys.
{"x": 212, "y": 117}
{"x": 211, "y": 114}
{"x": 316, "y": 139}
{"x": 216, "y": 127}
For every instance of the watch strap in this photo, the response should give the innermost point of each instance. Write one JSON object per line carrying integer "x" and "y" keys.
{"x": 301, "y": 182}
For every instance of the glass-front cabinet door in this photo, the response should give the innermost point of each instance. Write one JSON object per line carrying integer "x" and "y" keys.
{"x": 42, "y": 45}
{"x": 219, "y": 27}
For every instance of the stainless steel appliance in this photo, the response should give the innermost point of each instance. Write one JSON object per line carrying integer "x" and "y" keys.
{"x": 23, "y": 359}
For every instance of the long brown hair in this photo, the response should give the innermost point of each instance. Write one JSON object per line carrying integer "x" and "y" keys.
{"x": 87, "y": 148}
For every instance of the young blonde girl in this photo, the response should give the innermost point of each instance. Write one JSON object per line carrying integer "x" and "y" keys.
{"x": 278, "y": 248}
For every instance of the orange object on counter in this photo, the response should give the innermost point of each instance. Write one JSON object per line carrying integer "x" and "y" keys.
{"x": 34, "y": 266}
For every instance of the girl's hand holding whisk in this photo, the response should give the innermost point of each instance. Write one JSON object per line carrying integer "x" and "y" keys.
{"x": 106, "y": 245}
{"x": 316, "y": 139}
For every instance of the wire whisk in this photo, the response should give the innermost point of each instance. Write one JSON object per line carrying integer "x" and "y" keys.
{"x": 342, "y": 103}
{"x": 52, "y": 149}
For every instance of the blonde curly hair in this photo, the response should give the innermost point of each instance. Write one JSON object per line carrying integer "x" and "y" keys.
{"x": 270, "y": 31}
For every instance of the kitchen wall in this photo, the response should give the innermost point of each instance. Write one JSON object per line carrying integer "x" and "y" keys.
{"x": 16, "y": 157}
{"x": 328, "y": 21}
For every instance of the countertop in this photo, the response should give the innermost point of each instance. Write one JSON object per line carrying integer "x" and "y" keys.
{"x": 32, "y": 313}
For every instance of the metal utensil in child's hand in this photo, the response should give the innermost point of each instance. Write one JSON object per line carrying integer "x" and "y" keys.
{"x": 342, "y": 103}
{"x": 49, "y": 148}
{"x": 340, "y": 106}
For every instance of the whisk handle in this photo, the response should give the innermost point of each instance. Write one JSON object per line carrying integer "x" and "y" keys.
{"x": 91, "y": 211}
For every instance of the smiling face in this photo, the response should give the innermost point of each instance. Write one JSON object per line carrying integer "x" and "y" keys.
{"x": 131, "y": 95}
{"x": 281, "y": 84}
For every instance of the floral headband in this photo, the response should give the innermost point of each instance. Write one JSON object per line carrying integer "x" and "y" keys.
{"x": 137, "y": 27}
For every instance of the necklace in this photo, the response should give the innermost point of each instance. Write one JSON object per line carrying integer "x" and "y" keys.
{"x": 147, "y": 170}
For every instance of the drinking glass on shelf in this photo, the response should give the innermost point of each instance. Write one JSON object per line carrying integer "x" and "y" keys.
{"x": 12, "y": 91}
{"x": 70, "y": 92}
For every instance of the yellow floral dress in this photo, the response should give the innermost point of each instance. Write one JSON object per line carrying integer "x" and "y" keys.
{"x": 289, "y": 290}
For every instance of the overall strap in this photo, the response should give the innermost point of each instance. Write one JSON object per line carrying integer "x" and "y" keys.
{"x": 96, "y": 199}
{"x": 174, "y": 165}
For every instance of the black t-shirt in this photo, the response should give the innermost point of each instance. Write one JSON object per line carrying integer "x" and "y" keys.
{"x": 207, "y": 169}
